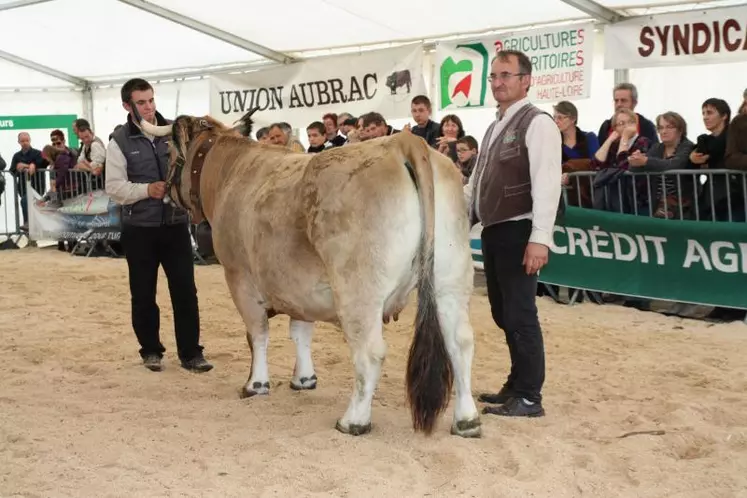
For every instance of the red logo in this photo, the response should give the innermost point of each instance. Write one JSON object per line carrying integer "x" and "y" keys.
{"x": 498, "y": 46}
{"x": 463, "y": 86}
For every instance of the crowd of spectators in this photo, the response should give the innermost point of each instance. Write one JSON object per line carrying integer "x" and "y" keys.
{"x": 336, "y": 130}
{"x": 629, "y": 142}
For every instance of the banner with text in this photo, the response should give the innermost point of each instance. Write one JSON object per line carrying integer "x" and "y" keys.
{"x": 685, "y": 261}
{"x": 679, "y": 39}
{"x": 92, "y": 214}
{"x": 384, "y": 81}
{"x": 561, "y": 61}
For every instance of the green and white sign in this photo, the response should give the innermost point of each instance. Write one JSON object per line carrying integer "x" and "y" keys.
{"x": 686, "y": 261}
{"x": 561, "y": 60}
{"x": 39, "y": 127}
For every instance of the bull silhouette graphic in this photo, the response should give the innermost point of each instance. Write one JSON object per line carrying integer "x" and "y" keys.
{"x": 398, "y": 79}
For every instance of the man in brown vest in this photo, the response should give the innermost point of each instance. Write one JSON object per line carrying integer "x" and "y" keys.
{"x": 514, "y": 190}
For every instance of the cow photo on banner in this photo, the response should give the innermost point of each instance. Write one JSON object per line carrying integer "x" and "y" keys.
{"x": 561, "y": 65}
{"x": 384, "y": 81}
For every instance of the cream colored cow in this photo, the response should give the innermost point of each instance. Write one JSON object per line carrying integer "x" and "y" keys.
{"x": 343, "y": 236}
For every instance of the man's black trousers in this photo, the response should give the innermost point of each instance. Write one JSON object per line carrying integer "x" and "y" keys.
{"x": 171, "y": 247}
{"x": 511, "y": 293}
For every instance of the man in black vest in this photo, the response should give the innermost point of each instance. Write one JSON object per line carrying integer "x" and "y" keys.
{"x": 514, "y": 190}
{"x": 153, "y": 233}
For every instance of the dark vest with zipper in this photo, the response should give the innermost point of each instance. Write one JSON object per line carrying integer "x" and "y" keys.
{"x": 147, "y": 162}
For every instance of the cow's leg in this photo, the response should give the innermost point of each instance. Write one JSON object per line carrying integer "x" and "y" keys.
{"x": 459, "y": 339}
{"x": 257, "y": 335}
{"x": 304, "y": 376}
{"x": 255, "y": 318}
{"x": 363, "y": 332}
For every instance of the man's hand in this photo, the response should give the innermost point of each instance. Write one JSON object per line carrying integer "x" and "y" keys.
{"x": 31, "y": 168}
{"x": 535, "y": 257}
{"x": 157, "y": 190}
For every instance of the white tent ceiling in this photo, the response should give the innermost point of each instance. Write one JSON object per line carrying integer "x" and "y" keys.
{"x": 78, "y": 42}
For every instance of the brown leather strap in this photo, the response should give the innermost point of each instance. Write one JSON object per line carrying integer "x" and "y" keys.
{"x": 194, "y": 189}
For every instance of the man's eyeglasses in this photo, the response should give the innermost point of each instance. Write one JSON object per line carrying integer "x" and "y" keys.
{"x": 504, "y": 76}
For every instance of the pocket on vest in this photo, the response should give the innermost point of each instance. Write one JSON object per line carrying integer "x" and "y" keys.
{"x": 509, "y": 152}
{"x": 520, "y": 189}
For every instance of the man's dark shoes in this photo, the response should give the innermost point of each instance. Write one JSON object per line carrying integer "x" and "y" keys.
{"x": 197, "y": 364}
{"x": 497, "y": 398}
{"x": 152, "y": 362}
{"x": 516, "y": 407}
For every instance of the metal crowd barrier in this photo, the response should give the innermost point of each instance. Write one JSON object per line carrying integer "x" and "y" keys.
{"x": 10, "y": 215}
{"x": 16, "y": 199}
{"x": 14, "y": 215}
{"x": 686, "y": 194}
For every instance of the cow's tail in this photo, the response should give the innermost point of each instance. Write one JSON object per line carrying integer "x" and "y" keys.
{"x": 429, "y": 371}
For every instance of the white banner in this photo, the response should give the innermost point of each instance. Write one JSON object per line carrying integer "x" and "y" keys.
{"x": 561, "y": 66}
{"x": 384, "y": 81}
{"x": 92, "y": 214}
{"x": 681, "y": 39}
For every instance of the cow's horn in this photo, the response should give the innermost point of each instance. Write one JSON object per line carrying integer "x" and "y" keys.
{"x": 251, "y": 111}
{"x": 157, "y": 131}
{"x": 244, "y": 126}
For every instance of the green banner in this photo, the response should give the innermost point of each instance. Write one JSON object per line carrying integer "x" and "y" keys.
{"x": 686, "y": 261}
{"x": 41, "y": 122}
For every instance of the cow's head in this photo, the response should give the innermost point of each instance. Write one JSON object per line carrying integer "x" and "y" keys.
{"x": 187, "y": 133}
{"x": 391, "y": 80}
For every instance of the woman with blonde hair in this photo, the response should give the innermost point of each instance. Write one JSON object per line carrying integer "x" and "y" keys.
{"x": 612, "y": 162}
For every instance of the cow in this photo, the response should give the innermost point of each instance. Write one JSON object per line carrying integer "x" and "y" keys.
{"x": 398, "y": 79}
{"x": 342, "y": 237}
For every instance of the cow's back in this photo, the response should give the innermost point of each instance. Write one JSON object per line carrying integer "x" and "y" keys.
{"x": 354, "y": 188}
{"x": 257, "y": 222}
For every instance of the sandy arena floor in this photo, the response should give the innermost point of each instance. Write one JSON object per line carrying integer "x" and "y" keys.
{"x": 81, "y": 417}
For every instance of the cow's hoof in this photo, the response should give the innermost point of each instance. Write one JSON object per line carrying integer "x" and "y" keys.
{"x": 304, "y": 383}
{"x": 467, "y": 428}
{"x": 353, "y": 429}
{"x": 254, "y": 389}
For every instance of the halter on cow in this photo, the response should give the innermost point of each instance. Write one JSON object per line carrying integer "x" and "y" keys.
{"x": 343, "y": 237}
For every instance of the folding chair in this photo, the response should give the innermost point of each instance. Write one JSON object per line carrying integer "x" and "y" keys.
{"x": 84, "y": 246}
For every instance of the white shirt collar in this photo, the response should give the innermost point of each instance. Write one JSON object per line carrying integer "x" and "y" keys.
{"x": 512, "y": 109}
